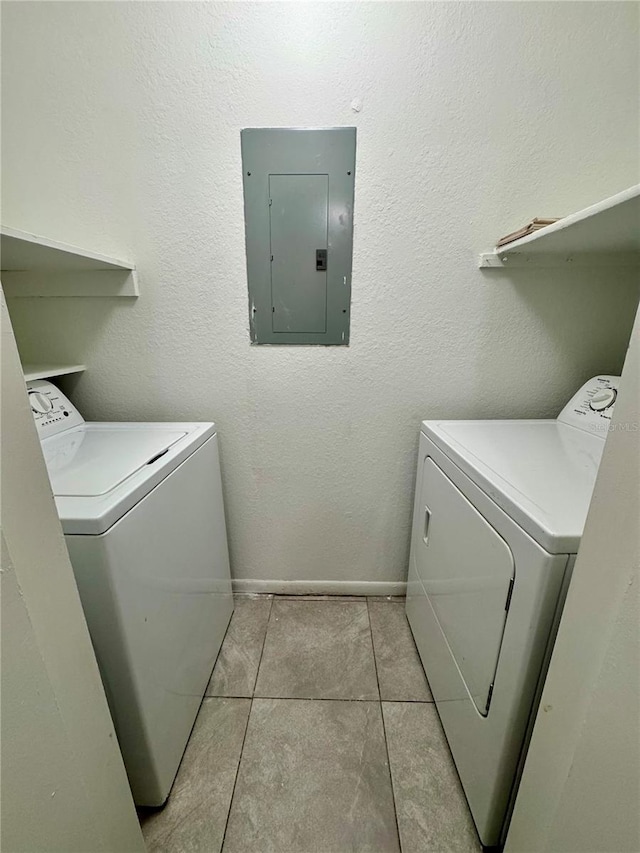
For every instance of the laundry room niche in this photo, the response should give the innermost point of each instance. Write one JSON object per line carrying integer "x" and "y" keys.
{"x": 298, "y": 204}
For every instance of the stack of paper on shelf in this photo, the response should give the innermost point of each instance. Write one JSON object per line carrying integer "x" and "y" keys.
{"x": 530, "y": 228}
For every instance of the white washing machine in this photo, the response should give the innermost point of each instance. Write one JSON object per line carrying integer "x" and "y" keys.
{"x": 499, "y": 510}
{"x": 142, "y": 513}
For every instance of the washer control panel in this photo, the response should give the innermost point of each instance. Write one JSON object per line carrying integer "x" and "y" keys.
{"x": 592, "y": 407}
{"x": 52, "y": 411}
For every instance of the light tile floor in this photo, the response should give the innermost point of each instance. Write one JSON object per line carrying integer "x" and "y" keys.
{"x": 318, "y": 734}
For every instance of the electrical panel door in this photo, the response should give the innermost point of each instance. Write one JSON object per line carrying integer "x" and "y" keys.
{"x": 298, "y": 213}
{"x": 298, "y": 197}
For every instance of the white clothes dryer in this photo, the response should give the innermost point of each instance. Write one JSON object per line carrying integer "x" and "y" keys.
{"x": 142, "y": 513}
{"x": 499, "y": 511}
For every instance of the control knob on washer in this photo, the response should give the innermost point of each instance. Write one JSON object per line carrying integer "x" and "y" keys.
{"x": 40, "y": 403}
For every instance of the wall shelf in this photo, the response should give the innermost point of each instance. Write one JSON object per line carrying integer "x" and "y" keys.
{"x": 47, "y": 371}
{"x": 604, "y": 234}
{"x": 36, "y": 266}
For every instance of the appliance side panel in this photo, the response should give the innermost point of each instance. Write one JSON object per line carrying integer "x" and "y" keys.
{"x": 103, "y": 611}
{"x": 538, "y": 693}
{"x": 170, "y": 599}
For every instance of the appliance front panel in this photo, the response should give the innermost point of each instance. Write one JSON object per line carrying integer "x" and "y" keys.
{"x": 467, "y": 570}
{"x": 487, "y": 749}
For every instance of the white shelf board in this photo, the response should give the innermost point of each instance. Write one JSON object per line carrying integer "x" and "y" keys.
{"x": 604, "y": 233}
{"x": 45, "y": 371}
{"x": 23, "y": 251}
{"x": 37, "y": 266}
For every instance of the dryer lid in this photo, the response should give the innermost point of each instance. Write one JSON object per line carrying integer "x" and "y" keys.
{"x": 541, "y": 472}
{"x": 95, "y": 458}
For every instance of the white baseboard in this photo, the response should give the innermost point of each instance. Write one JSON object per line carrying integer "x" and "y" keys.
{"x": 248, "y": 585}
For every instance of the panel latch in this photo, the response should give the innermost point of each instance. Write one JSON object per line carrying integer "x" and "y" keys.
{"x": 321, "y": 260}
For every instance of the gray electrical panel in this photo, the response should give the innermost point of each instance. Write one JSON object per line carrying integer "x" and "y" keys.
{"x": 298, "y": 206}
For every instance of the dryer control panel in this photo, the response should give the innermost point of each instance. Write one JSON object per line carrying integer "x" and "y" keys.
{"x": 52, "y": 411}
{"x": 592, "y": 407}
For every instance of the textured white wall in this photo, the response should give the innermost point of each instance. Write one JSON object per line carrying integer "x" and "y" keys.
{"x": 598, "y": 810}
{"x": 121, "y": 132}
{"x": 580, "y": 787}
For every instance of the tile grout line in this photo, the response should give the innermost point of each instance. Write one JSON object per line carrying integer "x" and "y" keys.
{"x": 431, "y": 701}
{"x": 384, "y": 730}
{"x": 264, "y": 641}
{"x": 215, "y": 663}
{"x": 246, "y": 729}
{"x": 316, "y": 699}
{"x": 200, "y": 706}
{"x": 331, "y": 699}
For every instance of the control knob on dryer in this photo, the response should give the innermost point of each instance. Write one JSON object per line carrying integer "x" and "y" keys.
{"x": 602, "y": 399}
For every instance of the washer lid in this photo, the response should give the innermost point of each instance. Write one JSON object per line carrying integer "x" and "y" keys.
{"x": 93, "y": 460}
{"x": 541, "y": 472}
{"x": 102, "y": 470}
